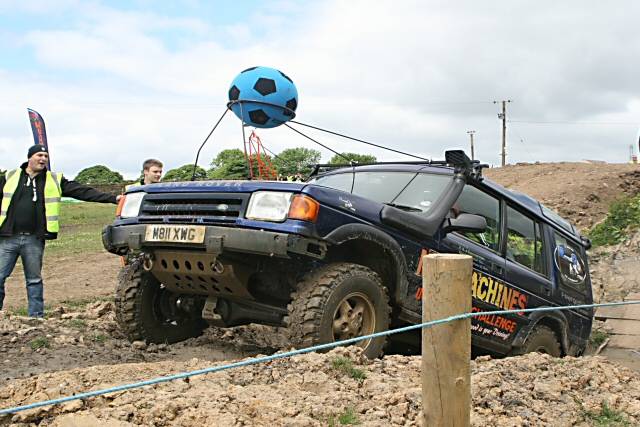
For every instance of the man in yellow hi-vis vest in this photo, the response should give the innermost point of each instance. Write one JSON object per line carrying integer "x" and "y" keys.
{"x": 29, "y": 214}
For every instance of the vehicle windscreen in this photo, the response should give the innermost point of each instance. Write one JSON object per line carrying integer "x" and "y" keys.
{"x": 410, "y": 191}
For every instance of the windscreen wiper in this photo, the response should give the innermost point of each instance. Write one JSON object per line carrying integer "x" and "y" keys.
{"x": 404, "y": 207}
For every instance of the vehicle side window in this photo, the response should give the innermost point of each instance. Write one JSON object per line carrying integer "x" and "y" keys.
{"x": 524, "y": 241}
{"x": 423, "y": 191}
{"x": 569, "y": 263}
{"x": 379, "y": 186}
{"x": 338, "y": 181}
{"x": 475, "y": 201}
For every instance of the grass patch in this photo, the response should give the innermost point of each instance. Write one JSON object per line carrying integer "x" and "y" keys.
{"x": 80, "y": 324}
{"x": 345, "y": 365}
{"x": 99, "y": 338}
{"x": 597, "y": 337}
{"x": 24, "y": 311}
{"x": 347, "y": 417}
{"x": 40, "y": 342}
{"x": 607, "y": 417}
{"x": 623, "y": 216}
{"x": 81, "y": 227}
{"x": 20, "y": 311}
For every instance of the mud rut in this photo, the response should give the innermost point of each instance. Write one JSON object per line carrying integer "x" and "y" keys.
{"x": 71, "y": 339}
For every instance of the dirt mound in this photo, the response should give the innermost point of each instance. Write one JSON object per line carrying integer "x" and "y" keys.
{"x": 580, "y": 192}
{"x": 614, "y": 270}
{"x": 317, "y": 389}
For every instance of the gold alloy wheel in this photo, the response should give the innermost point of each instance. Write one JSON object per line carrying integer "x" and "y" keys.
{"x": 354, "y": 317}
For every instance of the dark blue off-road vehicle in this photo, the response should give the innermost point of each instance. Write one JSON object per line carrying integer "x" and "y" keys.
{"x": 339, "y": 256}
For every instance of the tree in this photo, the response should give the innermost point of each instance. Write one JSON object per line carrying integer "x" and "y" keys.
{"x": 99, "y": 175}
{"x": 296, "y": 160}
{"x": 359, "y": 158}
{"x": 184, "y": 173}
{"x": 228, "y": 164}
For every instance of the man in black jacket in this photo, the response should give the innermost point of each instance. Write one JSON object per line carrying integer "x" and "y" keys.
{"x": 29, "y": 214}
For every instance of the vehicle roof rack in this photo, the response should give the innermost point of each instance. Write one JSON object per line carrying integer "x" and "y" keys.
{"x": 454, "y": 158}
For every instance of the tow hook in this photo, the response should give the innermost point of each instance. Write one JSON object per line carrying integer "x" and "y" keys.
{"x": 147, "y": 261}
{"x": 217, "y": 267}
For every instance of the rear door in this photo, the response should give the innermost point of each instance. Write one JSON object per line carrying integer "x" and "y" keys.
{"x": 572, "y": 277}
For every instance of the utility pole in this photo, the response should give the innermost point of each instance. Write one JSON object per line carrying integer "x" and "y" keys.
{"x": 471, "y": 132}
{"x": 503, "y": 116}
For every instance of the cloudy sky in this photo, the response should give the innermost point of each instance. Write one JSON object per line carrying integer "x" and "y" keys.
{"x": 117, "y": 82}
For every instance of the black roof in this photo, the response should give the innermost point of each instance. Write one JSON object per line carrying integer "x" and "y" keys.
{"x": 527, "y": 202}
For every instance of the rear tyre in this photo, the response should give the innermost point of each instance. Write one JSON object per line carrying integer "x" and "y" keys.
{"x": 337, "y": 302}
{"x": 146, "y": 310}
{"x": 541, "y": 340}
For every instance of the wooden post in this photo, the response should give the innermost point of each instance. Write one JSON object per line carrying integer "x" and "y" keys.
{"x": 446, "y": 348}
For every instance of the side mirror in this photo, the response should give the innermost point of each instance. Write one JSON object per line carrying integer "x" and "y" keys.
{"x": 465, "y": 222}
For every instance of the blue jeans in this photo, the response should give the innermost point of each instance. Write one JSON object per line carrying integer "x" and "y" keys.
{"x": 30, "y": 249}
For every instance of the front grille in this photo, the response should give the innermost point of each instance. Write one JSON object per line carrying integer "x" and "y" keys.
{"x": 193, "y": 207}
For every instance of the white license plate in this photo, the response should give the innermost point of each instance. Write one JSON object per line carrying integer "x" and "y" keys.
{"x": 175, "y": 233}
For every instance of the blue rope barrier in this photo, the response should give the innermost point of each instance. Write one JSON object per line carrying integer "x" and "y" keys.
{"x": 297, "y": 352}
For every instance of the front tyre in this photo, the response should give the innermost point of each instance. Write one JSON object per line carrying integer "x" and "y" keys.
{"x": 337, "y": 302}
{"x": 146, "y": 310}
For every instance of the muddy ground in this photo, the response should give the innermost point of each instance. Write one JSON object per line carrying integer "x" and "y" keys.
{"x": 74, "y": 337}
{"x": 68, "y": 278}
{"x": 337, "y": 388}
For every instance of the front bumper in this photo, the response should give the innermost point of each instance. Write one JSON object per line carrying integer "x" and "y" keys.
{"x": 121, "y": 239}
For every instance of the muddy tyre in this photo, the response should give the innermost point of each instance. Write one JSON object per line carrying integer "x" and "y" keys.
{"x": 145, "y": 310}
{"x": 541, "y": 340}
{"x": 336, "y": 302}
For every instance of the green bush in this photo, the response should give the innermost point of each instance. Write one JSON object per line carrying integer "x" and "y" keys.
{"x": 623, "y": 217}
{"x": 99, "y": 175}
{"x": 184, "y": 173}
{"x": 297, "y": 160}
{"x": 358, "y": 158}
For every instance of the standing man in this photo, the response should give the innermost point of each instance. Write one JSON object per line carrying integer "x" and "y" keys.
{"x": 29, "y": 214}
{"x": 151, "y": 173}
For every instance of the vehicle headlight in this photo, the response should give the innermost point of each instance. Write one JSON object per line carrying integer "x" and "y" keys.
{"x": 269, "y": 206}
{"x": 131, "y": 206}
